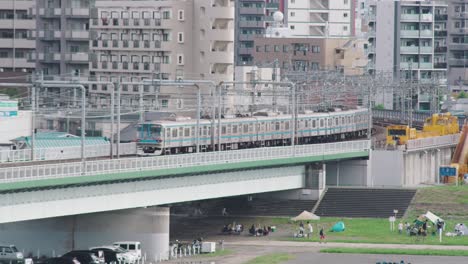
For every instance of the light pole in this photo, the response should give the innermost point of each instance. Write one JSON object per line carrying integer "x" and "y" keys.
{"x": 83, "y": 113}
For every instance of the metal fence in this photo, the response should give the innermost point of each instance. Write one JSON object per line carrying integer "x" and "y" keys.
{"x": 63, "y": 170}
{"x": 432, "y": 142}
{"x": 64, "y": 153}
{"x": 400, "y": 117}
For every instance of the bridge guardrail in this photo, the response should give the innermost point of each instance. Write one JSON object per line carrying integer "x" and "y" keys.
{"x": 73, "y": 169}
{"x": 64, "y": 153}
{"x": 432, "y": 142}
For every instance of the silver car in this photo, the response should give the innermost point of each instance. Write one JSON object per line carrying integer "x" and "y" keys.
{"x": 9, "y": 254}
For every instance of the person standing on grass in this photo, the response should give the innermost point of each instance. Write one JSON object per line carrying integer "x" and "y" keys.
{"x": 322, "y": 235}
{"x": 311, "y": 229}
{"x": 400, "y": 228}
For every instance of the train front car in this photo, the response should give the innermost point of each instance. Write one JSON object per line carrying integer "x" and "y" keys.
{"x": 149, "y": 142}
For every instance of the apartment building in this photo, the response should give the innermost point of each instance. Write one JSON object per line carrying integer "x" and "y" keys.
{"x": 62, "y": 37}
{"x": 416, "y": 42}
{"x": 409, "y": 39}
{"x": 458, "y": 45}
{"x": 136, "y": 40}
{"x": 320, "y": 18}
{"x": 15, "y": 22}
{"x": 252, "y": 19}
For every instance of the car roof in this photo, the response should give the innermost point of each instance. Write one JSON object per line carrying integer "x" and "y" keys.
{"x": 127, "y": 242}
{"x": 6, "y": 245}
{"x": 106, "y": 246}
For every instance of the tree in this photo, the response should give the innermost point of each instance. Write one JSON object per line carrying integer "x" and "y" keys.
{"x": 462, "y": 95}
{"x": 380, "y": 107}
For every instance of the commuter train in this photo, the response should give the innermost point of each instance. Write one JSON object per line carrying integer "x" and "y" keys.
{"x": 178, "y": 135}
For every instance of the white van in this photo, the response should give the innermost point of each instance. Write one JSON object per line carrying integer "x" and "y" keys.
{"x": 132, "y": 247}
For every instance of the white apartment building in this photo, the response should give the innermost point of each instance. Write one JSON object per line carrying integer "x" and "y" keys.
{"x": 15, "y": 22}
{"x": 175, "y": 39}
{"x": 320, "y": 18}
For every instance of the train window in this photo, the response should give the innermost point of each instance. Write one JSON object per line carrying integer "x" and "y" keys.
{"x": 229, "y": 129}
{"x": 209, "y": 130}
{"x": 336, "y": 121}
{"x": 314, "y": 123}
{"x": 349, "y": 120}
{"x": 181, "y": 131}
{"x": 286, "y": 125}
{"x": 277, "y": 126}
{"x": 234, "y": 129}
{"x": 246, "y": 128}
{"x": 250, "y": 127}
{"x": 343, "y": 121}
{"x": 329, "y": 122}
{"x": 168, "y": 132}
{"x": 174, "y": 132}
{"x": 187, "y": 132}
{"x": 322, "y": 123}
{"x": 205, "y": 130}
{"x": 307, "y": 123}
{"x": 193, "y": 129}
{"x": 156, "y": 130}
{"x": 223, "y": 130}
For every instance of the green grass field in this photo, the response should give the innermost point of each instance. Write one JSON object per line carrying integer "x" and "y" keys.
{"x": 271, "y": 259}
{"x": 426, "y": 252}
{"x": 448, "y": 202}
{"x": 372, "y": 230}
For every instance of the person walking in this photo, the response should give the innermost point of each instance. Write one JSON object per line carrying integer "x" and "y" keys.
{"x": 400, "y": 228}
{"x": 224, "y": 212}
{"x": 322, "y": 235}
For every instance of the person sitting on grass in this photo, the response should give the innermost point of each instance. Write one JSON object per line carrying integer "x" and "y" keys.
{"x": 252, "y": 230}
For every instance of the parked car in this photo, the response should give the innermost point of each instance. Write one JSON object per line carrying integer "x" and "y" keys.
{"x": 59, "y": 260}
{"x": 10, "y": 254}
{"x": 84, "y": 256}
{"x": 131, "y": 246}
{"x": 121, "y": 255}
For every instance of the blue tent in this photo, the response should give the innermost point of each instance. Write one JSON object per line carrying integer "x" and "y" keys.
{"x": 338, "y": 227}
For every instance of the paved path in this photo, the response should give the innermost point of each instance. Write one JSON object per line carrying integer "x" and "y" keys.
{"x": 308, "y": 252}
{"x": 271, "y": 243}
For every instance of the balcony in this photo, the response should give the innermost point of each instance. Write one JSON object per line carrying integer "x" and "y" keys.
{"x": 76, "y": 34}
{"x": 458, "y": 62}
{"x": 425, "y": 65}
{"x": 459, "y": 46}
{"x": 409, "y": 17}
{"x": 440, "y": 49}
{"x": 424, "y": 49}
{"x": 77, "y": 12}
{"x": 50, "y": 12}
{"x": 272, "y": 5}
{"x": 371, "y": 17}
{"x": 462, "y": 15}
{"x": 409, "y": 49}
{"x": 460, "y": 30}
{"x": 252, "y": 24}
{"x": 440, "y": 65}
{"x": 426, "y": 33}
{"x": 370, "y": 49}
{"x": 409, "y": 33}
{"x": 443, "y": 17}
{"x": 251, "y": 11}
{"x": 79, "y": 57}
{"x": 246, "y": 51}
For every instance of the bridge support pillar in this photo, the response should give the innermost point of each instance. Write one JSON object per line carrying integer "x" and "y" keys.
{"x": 50, "y": 236}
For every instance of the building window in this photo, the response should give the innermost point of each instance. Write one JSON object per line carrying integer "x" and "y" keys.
{"x": 181, "y": 15}
{"x": 292, "y": 27}
{"x": 277, "y": 48}
{"x": 180, "y": 59}
{"x": 293, "y": 14}
{"x": 166, "y": 15}
{"x": 164, "y": 103}
{"x": 180, "y": 37}
{"x": 345, "y": 14}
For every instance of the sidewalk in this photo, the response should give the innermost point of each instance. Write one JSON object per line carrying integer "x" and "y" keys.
{"x": 272, "y": 243}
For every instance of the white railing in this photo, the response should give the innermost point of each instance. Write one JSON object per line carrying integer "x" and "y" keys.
{"x": 64, "y": 170}
{"x": 424, "y": 143}
{"x": 64, "y": 153}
